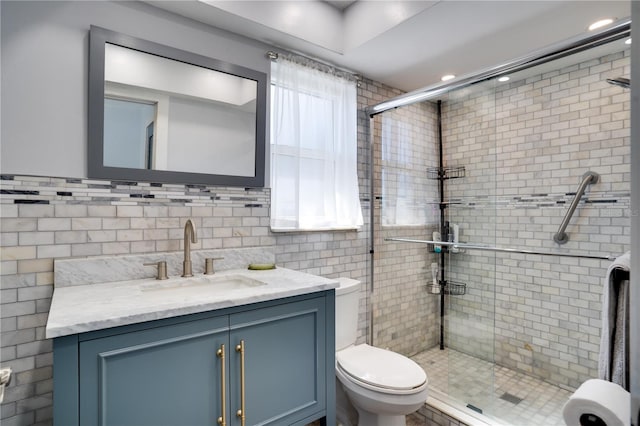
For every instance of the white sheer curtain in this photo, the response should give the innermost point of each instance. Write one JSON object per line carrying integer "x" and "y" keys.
{"x": 314, "y": 181}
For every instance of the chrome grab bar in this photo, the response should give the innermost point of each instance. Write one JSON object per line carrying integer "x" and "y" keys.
{"x": 481, "y": 247}
{"x": 588, "y": 178}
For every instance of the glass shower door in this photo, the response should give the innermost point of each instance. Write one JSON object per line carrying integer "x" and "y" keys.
{"x": 405, "y": 200}
{"x": 469, "y": 134}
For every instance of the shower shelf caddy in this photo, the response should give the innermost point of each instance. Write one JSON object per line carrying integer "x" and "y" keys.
{"x": 455, "y": 288}
{"x": 446, "y": 172}
{"x": 431, "y": 248}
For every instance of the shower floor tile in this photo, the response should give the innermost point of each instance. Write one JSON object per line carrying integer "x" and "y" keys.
{"x": 493, "y": 389}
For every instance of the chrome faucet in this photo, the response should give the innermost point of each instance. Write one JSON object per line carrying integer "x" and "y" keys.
{"x": 189, "y": 237}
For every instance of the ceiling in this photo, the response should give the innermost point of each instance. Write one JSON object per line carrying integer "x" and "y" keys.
{"x": 404, "y": 44}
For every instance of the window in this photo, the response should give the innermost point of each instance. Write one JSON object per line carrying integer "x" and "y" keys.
{"x": 314, "y": 181}
{"x": 408, "y": 147}
{"x": 402, "y": 191}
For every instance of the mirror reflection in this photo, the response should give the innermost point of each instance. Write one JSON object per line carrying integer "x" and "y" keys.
{"x": 163, "y": 114}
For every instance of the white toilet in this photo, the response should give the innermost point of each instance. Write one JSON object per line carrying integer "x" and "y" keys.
{"x": 383, "y": 386}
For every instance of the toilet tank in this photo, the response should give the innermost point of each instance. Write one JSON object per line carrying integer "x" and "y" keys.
{"x": 347, "y": 303}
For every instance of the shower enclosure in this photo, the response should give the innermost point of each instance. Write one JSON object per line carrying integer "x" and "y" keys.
{"x": 505, "y": 334}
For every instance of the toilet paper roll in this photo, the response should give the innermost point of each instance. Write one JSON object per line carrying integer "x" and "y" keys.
{"x": 598, "y": 402}
{"x": 5, "y": 378}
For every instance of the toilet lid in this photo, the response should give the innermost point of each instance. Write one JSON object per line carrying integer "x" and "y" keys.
{"x": 381, "y": 368}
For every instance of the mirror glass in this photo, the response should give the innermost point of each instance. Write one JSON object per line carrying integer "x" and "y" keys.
{"x": 172, "y": 116}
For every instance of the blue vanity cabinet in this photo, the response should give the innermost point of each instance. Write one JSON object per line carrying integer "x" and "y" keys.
{"x": 278, "y": 368}
{"x": 163, "y": 376}
{"x": 285, "y": 364}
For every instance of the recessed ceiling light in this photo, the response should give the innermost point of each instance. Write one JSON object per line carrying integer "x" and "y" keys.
{"x": 627, "y": 41}
{"x": 601, "y": 23}
{"x": 448, "y": 77}
{"x": 503, "y": 79}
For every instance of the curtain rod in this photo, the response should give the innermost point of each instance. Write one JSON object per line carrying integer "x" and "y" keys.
{"x": 470, "y": 246}
{"x": 618, "y": 30}
{"x": 273, "y": 55}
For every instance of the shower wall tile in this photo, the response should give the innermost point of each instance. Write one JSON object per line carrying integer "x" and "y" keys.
{"x": 525, "y": 146}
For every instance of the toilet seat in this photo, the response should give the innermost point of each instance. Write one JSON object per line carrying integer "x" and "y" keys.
{"x": 380, "y": 370}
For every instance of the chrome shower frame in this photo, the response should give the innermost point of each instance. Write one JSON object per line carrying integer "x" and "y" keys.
{"x": 620, "y": 29}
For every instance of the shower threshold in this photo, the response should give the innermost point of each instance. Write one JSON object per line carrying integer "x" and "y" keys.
{"x": 481, "y": 392}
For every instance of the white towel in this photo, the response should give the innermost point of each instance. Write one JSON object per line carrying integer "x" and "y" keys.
{"x": 613, "y": 363}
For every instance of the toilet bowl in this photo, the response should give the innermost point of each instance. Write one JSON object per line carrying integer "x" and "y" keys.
{"x": 383, "y": 386}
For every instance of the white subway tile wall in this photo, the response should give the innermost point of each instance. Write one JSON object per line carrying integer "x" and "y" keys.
{"x": 47, "y": 218}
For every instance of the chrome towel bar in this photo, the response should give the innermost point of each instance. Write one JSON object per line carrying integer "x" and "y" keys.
{"x": 470, "y": 246}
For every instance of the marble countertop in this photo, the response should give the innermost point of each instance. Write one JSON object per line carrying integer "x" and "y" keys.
{"x": 82, "y": 308}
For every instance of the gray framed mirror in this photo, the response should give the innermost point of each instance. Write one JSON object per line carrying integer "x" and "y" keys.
{"x": 161, "y": 114}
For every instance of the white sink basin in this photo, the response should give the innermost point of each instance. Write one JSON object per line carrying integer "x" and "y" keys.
{"x": 204, "y": 282}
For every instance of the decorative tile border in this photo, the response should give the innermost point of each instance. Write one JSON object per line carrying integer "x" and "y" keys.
{"x": 15, "y": 189}
{"x": 535, "y": 201}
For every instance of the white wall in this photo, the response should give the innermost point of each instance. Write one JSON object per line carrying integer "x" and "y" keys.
{"x": 210, "y": 138}
{"x": 44, "y": 54}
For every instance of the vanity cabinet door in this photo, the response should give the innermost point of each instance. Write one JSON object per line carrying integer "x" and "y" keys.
{"x": 284, "y": 363}
{"x": 168, "y": 375}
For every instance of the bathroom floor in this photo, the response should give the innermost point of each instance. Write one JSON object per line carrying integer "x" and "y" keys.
{"x": 503, "y": 394}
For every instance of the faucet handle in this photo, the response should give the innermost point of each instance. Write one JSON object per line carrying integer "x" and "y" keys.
{"x": 162, "y": 269}
{"x": 208, "y": 265}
